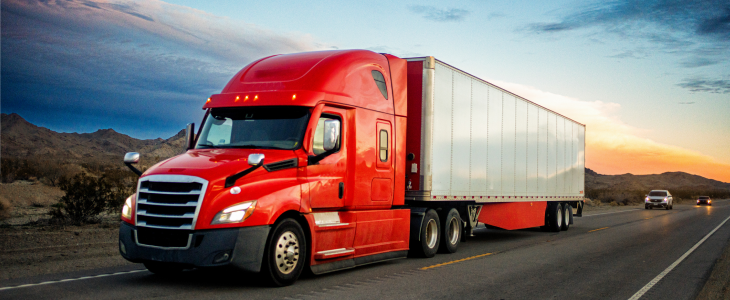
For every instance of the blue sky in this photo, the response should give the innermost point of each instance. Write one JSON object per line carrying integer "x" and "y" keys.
{"x": 652, "y": 75}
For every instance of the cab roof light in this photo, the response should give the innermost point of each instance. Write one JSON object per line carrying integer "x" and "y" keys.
{"x": 294, "y": 97}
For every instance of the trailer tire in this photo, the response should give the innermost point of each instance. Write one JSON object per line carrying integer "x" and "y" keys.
{"x": 567, "y": 214}
{"x": 428, "y": 240}
{"x": 164, "y": 269}
{"x": 451, "y": 229}
{"x": 554, "y": 216}
{"x": 286, "y": 252}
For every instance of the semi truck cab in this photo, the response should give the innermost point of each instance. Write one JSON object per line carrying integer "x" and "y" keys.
{"x": 297, "y": 163}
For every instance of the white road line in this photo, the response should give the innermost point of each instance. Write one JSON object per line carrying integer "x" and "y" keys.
{"x": 69, "y": 279}
{"x": 666, "y": 271}
{"x": 615, "y": 212}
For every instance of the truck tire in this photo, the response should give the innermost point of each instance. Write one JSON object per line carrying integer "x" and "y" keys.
{"x": 567, "y": 213}
{"x": 286, "y": 252}
{"x": 428, "y": 240}
{"x": 451, "y": 229}
{"x": 161, "y": 268}
{"x": 554, "y": 216}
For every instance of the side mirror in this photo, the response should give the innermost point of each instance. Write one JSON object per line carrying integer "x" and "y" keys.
{"x": 331, "y": 134}
{"x": 190, "y": 136}
{"x": 255, "y": 159}
{"x": 131, "y": 158}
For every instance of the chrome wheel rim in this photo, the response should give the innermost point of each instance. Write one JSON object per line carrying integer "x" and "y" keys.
{"x": 432, "y": 233}
{"x": 453, "y": 231}
{"x": 287, "y": 252}
{"x": 560, "y": 217}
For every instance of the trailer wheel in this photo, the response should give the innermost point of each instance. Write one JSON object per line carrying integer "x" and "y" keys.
{"x": 554, "y": 217}
{"x": 567, "y": 213}
{"x": 161, "y": 268}
{"x": 428, "y": 239}
{"x": 451, "y": 230}
{"x": 285, "y": 254}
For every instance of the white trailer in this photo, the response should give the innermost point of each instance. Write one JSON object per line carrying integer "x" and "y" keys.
{"x": 492, "y": 155}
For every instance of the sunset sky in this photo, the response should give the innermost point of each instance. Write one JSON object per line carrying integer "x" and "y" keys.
{"x": 650, "y": 79}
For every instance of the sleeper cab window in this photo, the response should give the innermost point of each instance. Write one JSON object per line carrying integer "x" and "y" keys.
{"x": 383, "y": 145}
{"x": 380, "y": 82}
{"x": 318, "y": 145}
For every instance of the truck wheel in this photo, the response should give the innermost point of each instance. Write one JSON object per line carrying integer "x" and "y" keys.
{"x": 428, "y": 242}
{"x": 567, "y": 213}
{"x": 160, "y": 268}
{"x": 285, "y": 253}
{"x": 451, "y": 230}
{"x": 554, "y": 217}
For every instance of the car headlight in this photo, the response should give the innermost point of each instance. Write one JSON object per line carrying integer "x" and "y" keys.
{"x": 665, "y": 199}
{"x": 647, "y": 199}
{"x": 127, "y": 208}
{"x": 235, "y": 214}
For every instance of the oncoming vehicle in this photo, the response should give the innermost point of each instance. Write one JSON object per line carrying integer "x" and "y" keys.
{"x": 704, "y": 200}
{"x": 328, "y": 160}
{"x": 659, "y": 198}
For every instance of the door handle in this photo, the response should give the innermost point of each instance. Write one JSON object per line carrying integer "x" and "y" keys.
{"x": 342, "y": 189}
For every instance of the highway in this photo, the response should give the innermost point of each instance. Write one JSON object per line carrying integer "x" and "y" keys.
{"x": 605, "y": 255}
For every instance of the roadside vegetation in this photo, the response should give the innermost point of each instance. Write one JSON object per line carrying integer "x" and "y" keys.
{"x": 89, "y": 191}
{"x": 620, "y": 197}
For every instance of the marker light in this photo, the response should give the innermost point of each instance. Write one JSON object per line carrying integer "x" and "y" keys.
{"x": 294, "y": 97}
{"x": 238, "y": 98}
{"x": 208, "y": 101}
{"x": 127, "y": 208}
{"x": 245, "y": 99}
{"x": 255, "y": 98}
{"x": 235, "y": 214}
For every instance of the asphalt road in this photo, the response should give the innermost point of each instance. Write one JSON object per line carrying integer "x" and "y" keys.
{"x": 603, "y": 256}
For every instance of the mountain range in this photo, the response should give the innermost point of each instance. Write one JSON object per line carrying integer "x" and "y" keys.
{"x": 21, "y": 139}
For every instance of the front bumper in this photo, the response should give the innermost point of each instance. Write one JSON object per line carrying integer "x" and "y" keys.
{"x": 244, "y": 248}
{"x": 656, "y": 204}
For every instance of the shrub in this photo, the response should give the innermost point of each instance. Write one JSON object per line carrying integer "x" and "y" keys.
{"x": 87, "y": 197}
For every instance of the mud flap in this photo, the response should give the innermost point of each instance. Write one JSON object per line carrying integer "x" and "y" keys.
{"x": 578, "y": 211}
{"x": 417, "y": 214}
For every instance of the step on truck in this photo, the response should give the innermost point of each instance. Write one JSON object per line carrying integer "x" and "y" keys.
{"x": 334, "y": 159}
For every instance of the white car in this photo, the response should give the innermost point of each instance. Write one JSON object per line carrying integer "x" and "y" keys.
{"x": 658, "y": 198}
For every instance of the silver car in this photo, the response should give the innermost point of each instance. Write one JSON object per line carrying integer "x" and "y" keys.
{"x": 658, "y": 198}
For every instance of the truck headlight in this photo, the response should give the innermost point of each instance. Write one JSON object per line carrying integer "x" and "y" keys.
{"x": 127, "y": 208}
{"x": 235, "y": 214}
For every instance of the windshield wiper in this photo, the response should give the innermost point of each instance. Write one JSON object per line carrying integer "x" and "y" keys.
{"x": 208, "y": 145}
{"x": 256, "y": 147}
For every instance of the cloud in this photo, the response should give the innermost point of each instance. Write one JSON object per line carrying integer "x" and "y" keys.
{"x": 696, "y": 31}
{"x": 142, "y": 67}
{"x": 705, "y": 85}
{"x": 439, "y": 14}
{"x": 614, "y": 147}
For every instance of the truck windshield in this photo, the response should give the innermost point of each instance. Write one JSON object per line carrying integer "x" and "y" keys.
{"x": 279, "y": 127}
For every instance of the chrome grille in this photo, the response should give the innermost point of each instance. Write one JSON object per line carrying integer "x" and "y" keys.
{"x": 169, "y": 201}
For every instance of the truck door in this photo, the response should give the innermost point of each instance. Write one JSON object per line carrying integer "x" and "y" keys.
{"x": 327, "y": 177}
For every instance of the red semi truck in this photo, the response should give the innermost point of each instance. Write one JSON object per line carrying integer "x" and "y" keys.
{"x": 333, "y": 159}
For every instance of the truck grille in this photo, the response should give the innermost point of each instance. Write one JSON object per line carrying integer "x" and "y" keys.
{"x": 169, "y": 202}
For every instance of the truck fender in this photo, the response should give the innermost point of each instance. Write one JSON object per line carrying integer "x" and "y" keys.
{"x": 417, "y": 214}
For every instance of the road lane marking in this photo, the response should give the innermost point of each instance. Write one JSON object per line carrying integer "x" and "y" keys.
{"x": 666, "y": 271}
{"x": 456, "y": 261}
{"x": 598, "y": 229}
{"x": 615, "y": 212}
{"x": 68, "y": 279}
